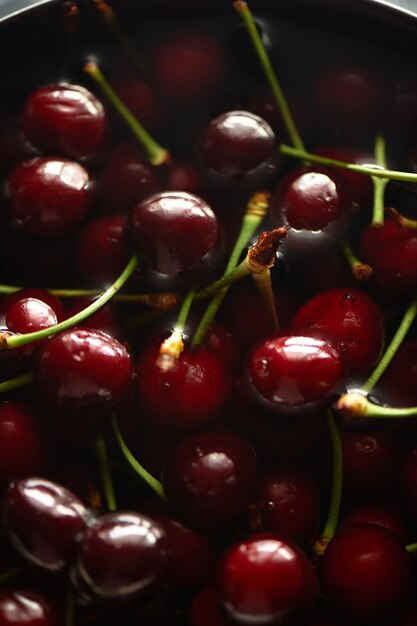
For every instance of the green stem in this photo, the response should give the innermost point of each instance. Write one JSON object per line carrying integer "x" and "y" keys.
{"x": 157, "y": 155}
{"x": 361, "y": 271}
{"x": 104, "y": 467}
{"x": 240, "y": 271}
{"x": 353, "y": 167}
{"x": 172, "y": 347}
{"x": 356, "y": 405}
{"x": 253, "y": 217}
{"x": 264, "y": 285}
{"x": 392, "y": 348}
{"x": 379, "y": 184}
{"x": 411, "y": 548}
{"x": 135, "y": 465}
{"x": 16, "y": 341}
{"x": 332, "y": 521}
{"x": 245, "y": 14}
{"x": 15, "y": 383}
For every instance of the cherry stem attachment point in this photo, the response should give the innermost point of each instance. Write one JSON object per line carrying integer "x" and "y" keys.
{"x": 171, "y": 348}
{"x": 156, "y": 154}
{"x": 134, "y": 464}
{"x": 105, "y": 473}
{"x": 246, "y": 16}
{"x": 357, "y": 405}
{"x": 15, "y": 341}
{"x": 404, "y": 222}
{"x": 361, "y": 271}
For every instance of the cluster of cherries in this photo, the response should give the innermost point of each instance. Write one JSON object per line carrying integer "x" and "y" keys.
{"x": 159, "y": 465}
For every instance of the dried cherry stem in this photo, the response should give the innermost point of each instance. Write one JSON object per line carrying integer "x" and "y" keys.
{"x": 368, "y": 170}
{"x": 171, "y": 348}
{"x": 110, "y": 18}
{"x": 260, "y": 258}
{"x": 15, "y": 341}
{"x": 355, "y": 404}
{"x": 246, "y": 16}
{"x": 105, "y": 473}
{"x": 255, "y": 212}
{"x": 164, "y": 300}
{"x": 14, "y": 383}
{"x": 330, "y": 527}
{"x": 402, "y": 330}
{"x": 156, "y": 154}
{"x": 379, "y": 184}
{"x": 404, "y": 222}
{"x": 135, "y": 465}
{"x": 361, "y": 271}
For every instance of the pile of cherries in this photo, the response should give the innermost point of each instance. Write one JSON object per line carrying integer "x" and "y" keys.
{"x": 160, "y": 465}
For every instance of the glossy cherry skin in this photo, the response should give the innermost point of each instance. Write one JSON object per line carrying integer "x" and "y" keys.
{"x": 20, "y": 606}
{"x": 43, "y": 520}
{"x": 287, "y": 502}
{"x": 208, "y": 478}
{"x": 49, "y": 196}
{"x": 174, "y": 230}
{"x": 386, "y": 514}
{"x": 292, "y": 371}
{"x": 235, "y": 143}
{"x": 102, "y": 249}
{"x": 264, "y": 579}
{"x": 33, "y": 292}
{"x": 121, "y": 558}
{"x": 352, "y": 318}
{"x": 64, "y": 119}
{"x": 23, "y": 447}
{"x": 83, "y": 371}
{"x": 366, "y": 571}
{"x": 29, "y": 315}
{"x": 187, "y": 66}
{"x": 191, "y": 394}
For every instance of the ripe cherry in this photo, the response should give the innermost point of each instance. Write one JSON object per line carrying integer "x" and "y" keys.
{"x": 20, "y": 606}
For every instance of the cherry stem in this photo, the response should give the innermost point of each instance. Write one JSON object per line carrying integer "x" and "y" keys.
{"x": 245, "y": 14}
{"x": 404, "y": 222}
{"x": 379, "y": 184}
{"x": 411, "y": 548}
{"x": 171, "y": 348}
{"x": 240, "y": 271}
{"x": 353, "y": 167}
{"x": 135, "y": 465}
{"x": 105, "y": 473}
{"x": 264, "y": 285}
{"x": 356, "y": 405}
{"x": 361, "y": 271}
{"x": 332, "y": 521}
{"x": 15, "y": 383}
{"x": 15, "y": 341}
{"x": 392, "y": 348}
{"x": 156, "y": 154}
{"x": 255, "y": 212}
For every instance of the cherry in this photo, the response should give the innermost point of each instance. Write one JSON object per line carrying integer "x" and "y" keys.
{"x": 382, "y": 513}
{"x": 43, "y": 520}
{"x": 205, "y": 610}
{"x": 235, "y": 143}
{"x": 83, "y": 371}
{"x": 287, "y": 502}
{"x": 64, "y": 119}
{"x": 106, "y": 319}
{"x": 20, "y": 606}
{"x": 187, "y": 66}
{"x": 22, "y": 441}
{"x": 352, "y": 318}
{"x": 121, "y": 558}
{"x": 376, "y": 575}
{"x": 290, "y": 371}
{"x": 139, "y": 98}
{"x": 102, "y": 249}
{"x": 184, "y": 176}
{"x": 33, "y": 292}
{"x": 49, "y": 196}
{"x": 191, "y": 394}
{"x": 208, "y": 478}
{"x": 174, "y": 230}
{"x": 398, "y": 385}
{"x": 264, "y": 579}
{"x": 29, "y": 315}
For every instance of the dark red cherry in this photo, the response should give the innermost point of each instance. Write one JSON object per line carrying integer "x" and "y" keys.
{"x": 43, "y": 520}
{"x": 23, "y": 449}
{"x": 398, "y": 385}
{"x": 205, "y": 610}
{"x": 139, "y": 98}
{"x": 235, "y": 143}
{"x": 64, "y": 119}
{"x": 366, "y": 572}
{"x": 287, "y": 502}
{"x": 189, "y": 395}
{"x": 102, "y": 249}
{"x": 209, "y": 477}
{"x": 185, "y": 177}
{"x": 49, "y": 196}
{"x": 352, "y": 318}
{"x": 83, "y": 371}
{"x": 122, "y": 557}
{"x": 384, "y": 513}
{"x": 20, "y": 606}
{"x": 29, "y": 315}
{"x": 33, "y": 292}
{"x": 264, "y": 579}
{"x": 107, "y": 319}
{"x": 293, "y": 371}
{"x": 188, "y": 66}
{"x": 174, "y": 230}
